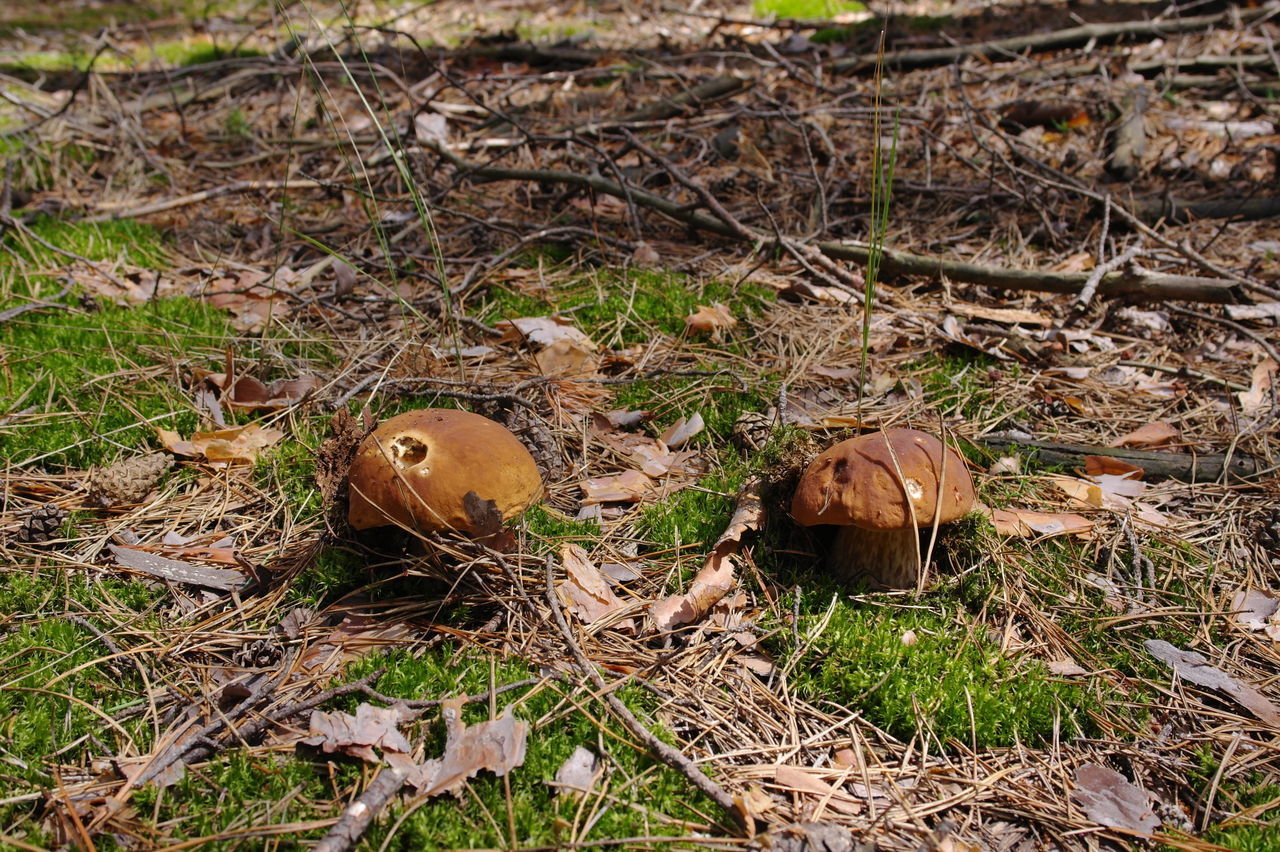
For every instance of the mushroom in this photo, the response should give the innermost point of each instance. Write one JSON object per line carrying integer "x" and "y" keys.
{"x": 881, "y": 489}
{"x": 440, "y": 469}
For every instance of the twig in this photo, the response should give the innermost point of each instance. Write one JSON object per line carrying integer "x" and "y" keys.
{"x": 123, "y": 211}
{"x": 358, "y": 815}
{"x": 1184, "y": 467}
{"x": 1150, "y": 285}
{"x": 50, "y": 304}
{"x": 1271, "y": 351}
{"x": 668, "y": 755}
{"x": 1095, "y": 277}
{"x": 1050, "y": 41}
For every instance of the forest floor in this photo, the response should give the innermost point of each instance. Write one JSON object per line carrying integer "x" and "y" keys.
{"x": 637, "y": 235}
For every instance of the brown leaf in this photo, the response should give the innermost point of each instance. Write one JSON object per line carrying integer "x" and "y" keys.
{"x": 630, "y": 486}
{"x": 498, "y": 746}
{"x": 1097, "y": 465}
{"x": 716, "y": 578}
{"x": 1109, "y": 799}
{"x": 371, "y": 727}
{"x": 1028, "y": 524}
{"x": 1194, "y": 668}
{"x": 357, "y": 636}
{"x": 713, "y": 318}
{"x": 226, "y": 445}
{"x": 678, "y": 433}
{"x": 586, "y": 592}
{"x": 544, "y": 331}
{"x": 800, "y": 781}
{"x": 1148, "y": 435}
{"x": 1258, "y": 396}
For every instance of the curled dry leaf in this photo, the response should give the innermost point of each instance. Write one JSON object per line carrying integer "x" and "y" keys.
{"x": 716, "y": 578}
{"x": 1255, "y": 610}
{"x": 713, "y": 318}
{"x": 497, "y": 746}
{"x": 802, "y": 782}
{"x": 371, "y": 727}
{"x": 1109, "y": 799}
{"x": 586, "y": 593}
{"x": 562, "y": 350}
{"x": 239, "y": 445}
{"x": 1148, "y": 436}
{"x": 249, "y": 394}
{"x": 682, "y": 430}
{"x": 1258, "y": 396}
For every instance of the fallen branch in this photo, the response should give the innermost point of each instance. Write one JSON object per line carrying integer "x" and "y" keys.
{"x": 1178, "y": 211}
{"x": 1184, "y": 467}
{"x": 1072, "y": 37}
{"x": 1148, "y": 285}
{"x": 358, "y": 816}
{"x": 116, "y": 210}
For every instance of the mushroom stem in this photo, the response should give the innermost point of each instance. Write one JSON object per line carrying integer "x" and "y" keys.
{"x": 887, "y": 559}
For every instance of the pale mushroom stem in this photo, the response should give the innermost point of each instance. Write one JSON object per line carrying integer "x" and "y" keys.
{"x": 887, "y": 559}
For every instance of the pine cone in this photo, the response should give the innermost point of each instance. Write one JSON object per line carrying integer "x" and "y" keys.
{"x": 127, "y": 481}
{"x": 44, "y": 523}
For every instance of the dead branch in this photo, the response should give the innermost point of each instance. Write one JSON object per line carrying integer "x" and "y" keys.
{"x": 1184, "y": 467}
{"x": 116, "y": 210}
{"x": 1058, "y": 40}
{"x": 1171, "y": 209}
{"x": 358, "y": 816}
{"x": 1148, "y": 285}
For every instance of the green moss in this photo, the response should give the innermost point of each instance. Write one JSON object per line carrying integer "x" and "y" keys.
{"x": 805, "y": 10}
{"x": 621, "y": 308}
{"x": 950, "y": 681}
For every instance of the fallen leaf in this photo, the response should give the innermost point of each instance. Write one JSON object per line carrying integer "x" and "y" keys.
{"x": 586, "y": 593}
{"x": 1109, "y": 799}
{"x": 371, "y": 727}
{"x": 799, "y": 781}
{"x": 1065, "y": 667}
{"x": 713, "y": 318}
{"x": 630, "y": 486}
{"x": 646, "y": 255}
{"x": 497, "y": 746}
{"x": 716, "y": 578}
{"x": 1027, "y": 523}
{"x": 578, "y": 773}
{"x": 1097, "y": 465}
{"x": 1194, "y": 668}
{"x": 1148, "y": 435}
{"x": 249, "y": 394}
{"x": 358, "y": 635}
{"x": 1258, "y": 396}
{"x": 225, "y": 445}
{"x": 544, "y": 331}
{"x": 1253, "y": 609}
{"x": 431, "y": 128}
{"x": 678, "y": 433}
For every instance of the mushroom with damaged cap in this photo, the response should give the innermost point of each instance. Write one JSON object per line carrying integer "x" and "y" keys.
{"x": 881, "y": 489}
{"x": 438, "y": 469}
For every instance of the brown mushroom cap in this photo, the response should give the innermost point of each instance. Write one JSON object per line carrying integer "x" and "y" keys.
{"x": 855, "y": 483}
{"x": 417, "y": 469}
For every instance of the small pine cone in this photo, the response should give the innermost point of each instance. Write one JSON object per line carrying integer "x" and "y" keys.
{"x": 44, "y": 523}
{"x": 127, "y": 481}
{"x": 751, "y": 430}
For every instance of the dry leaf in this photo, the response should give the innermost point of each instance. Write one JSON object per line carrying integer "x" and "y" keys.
{"x": 646, "y": 255}
{"x": 357, "y": 636}
{"x": 799, "y": 781}
{"x": 249, "y": 394}
{"x": 716, "y": 578}
{"x": 630, "y": 486}
{"x": 1194, "y": 668}
{"x": 1098, "y": 465}
{"x": 226, "y": 445}
{"x": 711, "y": 318}
{"x": 371, "y": 727}
{"x": 1065, "y": 667}
{"x": 1109, "y": 799}
{"x": 1027, "y": 523}
{"x": 578, "y": 773}
{"x": 544, "y": 331}
{"x": 678, "y": 433}
{"x": 1258, "y": 396}
{"x": 1149, "y": 435}
{"x": 586, "y": 593}
{"x": 1255, "y": 610}
{"x": 497, "y": 746}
